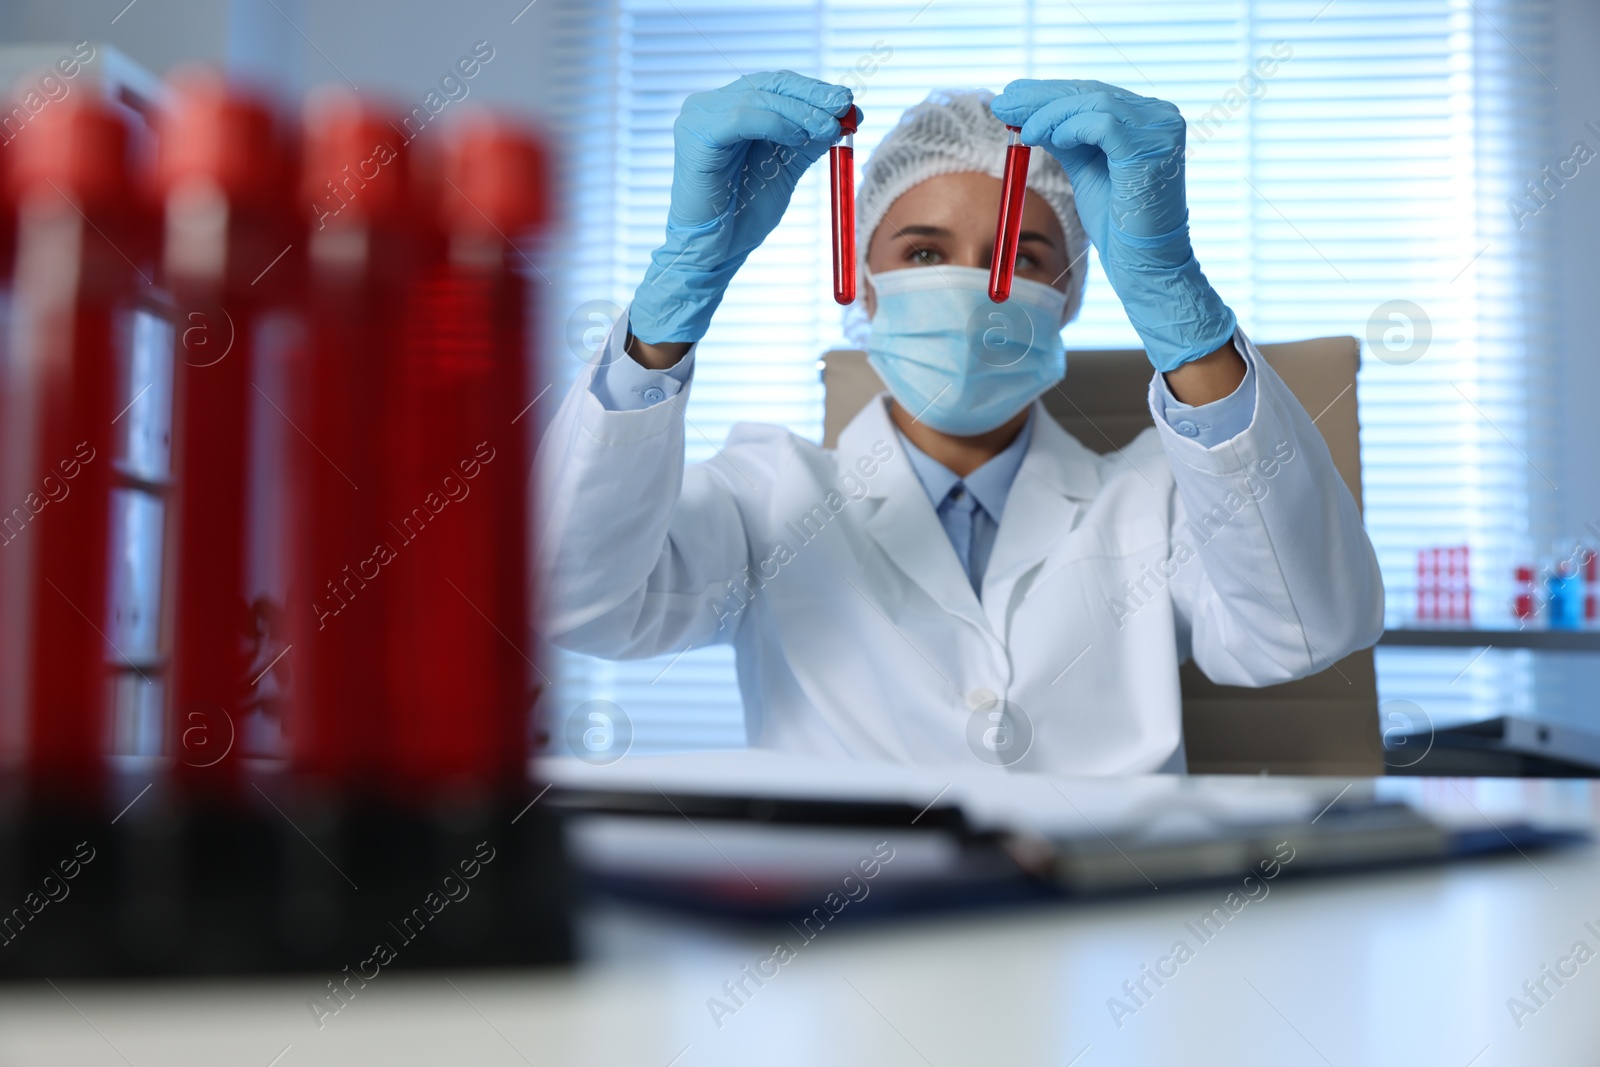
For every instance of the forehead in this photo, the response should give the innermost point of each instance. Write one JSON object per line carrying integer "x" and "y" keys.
{"x": 966, "y": 203}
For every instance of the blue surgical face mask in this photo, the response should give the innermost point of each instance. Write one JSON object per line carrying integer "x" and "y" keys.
{"x": 956, "y": 360}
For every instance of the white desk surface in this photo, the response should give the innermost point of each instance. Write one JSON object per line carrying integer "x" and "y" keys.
{"x": 1411, "y": 967}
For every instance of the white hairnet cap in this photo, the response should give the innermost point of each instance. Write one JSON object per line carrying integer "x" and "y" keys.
{"x": 954, "y": 130}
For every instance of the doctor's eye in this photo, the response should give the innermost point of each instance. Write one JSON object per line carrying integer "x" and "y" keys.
{"x": 923, "y": 257}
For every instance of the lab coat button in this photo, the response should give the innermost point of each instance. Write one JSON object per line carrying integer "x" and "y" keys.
{"x": 654, "y": 395}
{"x": 1187, "y": 428}
{"x": 980, "y": 698}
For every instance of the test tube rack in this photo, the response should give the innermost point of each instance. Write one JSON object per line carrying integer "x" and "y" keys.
{"x": 376, "y": 292}
{"x": 302, "y": 881}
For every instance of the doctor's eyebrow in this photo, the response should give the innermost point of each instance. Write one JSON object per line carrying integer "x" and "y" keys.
{"x": 921, "y": 230}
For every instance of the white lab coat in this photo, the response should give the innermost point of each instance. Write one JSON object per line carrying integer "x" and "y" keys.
{"x": 857, "y": 632}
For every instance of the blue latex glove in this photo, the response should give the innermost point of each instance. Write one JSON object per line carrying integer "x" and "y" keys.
{"x": 1125, "y": 157}
{"x": 737, "y": 153}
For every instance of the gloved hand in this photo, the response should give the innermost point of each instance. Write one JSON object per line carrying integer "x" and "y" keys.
{"x": 737, "y": 153}
{"x": 1124, "y": 155}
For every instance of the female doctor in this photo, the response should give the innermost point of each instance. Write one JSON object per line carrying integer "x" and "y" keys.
{"x": 960, "y": 580}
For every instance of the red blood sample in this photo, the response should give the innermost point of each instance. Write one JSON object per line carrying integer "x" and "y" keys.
{"x": 370, "y": 238}
{"x": 459, "y": 653}
{"x": 225, "y": 176}
{"x": 842, "y": 186}
{"x": 10, "y": 716}
{"x": 8, "y": 226}
{"x": 1009, "y": 225}
{"x": 1523, "y": 606}
{"x": 80, "y": 233}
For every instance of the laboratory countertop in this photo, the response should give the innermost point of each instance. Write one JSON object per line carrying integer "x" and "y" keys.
{"x": 1445, "y": 965}
{"x": 1538, "y": 638}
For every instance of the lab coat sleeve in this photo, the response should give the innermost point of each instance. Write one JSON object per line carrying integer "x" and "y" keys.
{"x": 1213, "y": 423}
{"x": 635, "y": 551}
{"x": 1288, "y": 582}
{"x": 621, "y": 384}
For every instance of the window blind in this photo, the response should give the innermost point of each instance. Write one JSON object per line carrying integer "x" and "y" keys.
{"x": 1343, "y": 155}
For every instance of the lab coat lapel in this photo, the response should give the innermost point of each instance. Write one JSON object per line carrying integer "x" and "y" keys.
{"x": 905, "y": 525}
{"x": 1057, "y": 476}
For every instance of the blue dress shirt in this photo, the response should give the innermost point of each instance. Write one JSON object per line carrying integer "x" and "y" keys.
{"x": 969, "y": 508}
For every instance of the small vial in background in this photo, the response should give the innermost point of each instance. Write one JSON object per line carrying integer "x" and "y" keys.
{"x": 1591, "y": 586}
{"x": 1565, "y": 597}
{"x": 1524, "y": 604}
{"x": 1444, "y": 584}
{"x": 842, "y": 185}
{"x": 1008, "y": 227}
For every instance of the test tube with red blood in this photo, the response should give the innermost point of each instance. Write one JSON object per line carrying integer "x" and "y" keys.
{"x": 1008, "y": 228}
{"x": 11, "y": 726}
{"x": 1522, "y": 605}
{"x": 842, "y": 186}
{"x": 370, "y": 238}
{"x": 459, "y": 642}
{"x": 81, "y": 231}
{"x": 8, "y": 234}
{"x": 225, "y": 176}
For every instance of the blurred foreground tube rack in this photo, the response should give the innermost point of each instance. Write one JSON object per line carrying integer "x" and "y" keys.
{"x": 267, "y": 681}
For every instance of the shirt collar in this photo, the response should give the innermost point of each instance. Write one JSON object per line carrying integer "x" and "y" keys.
{"x": 989, "y": 485}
